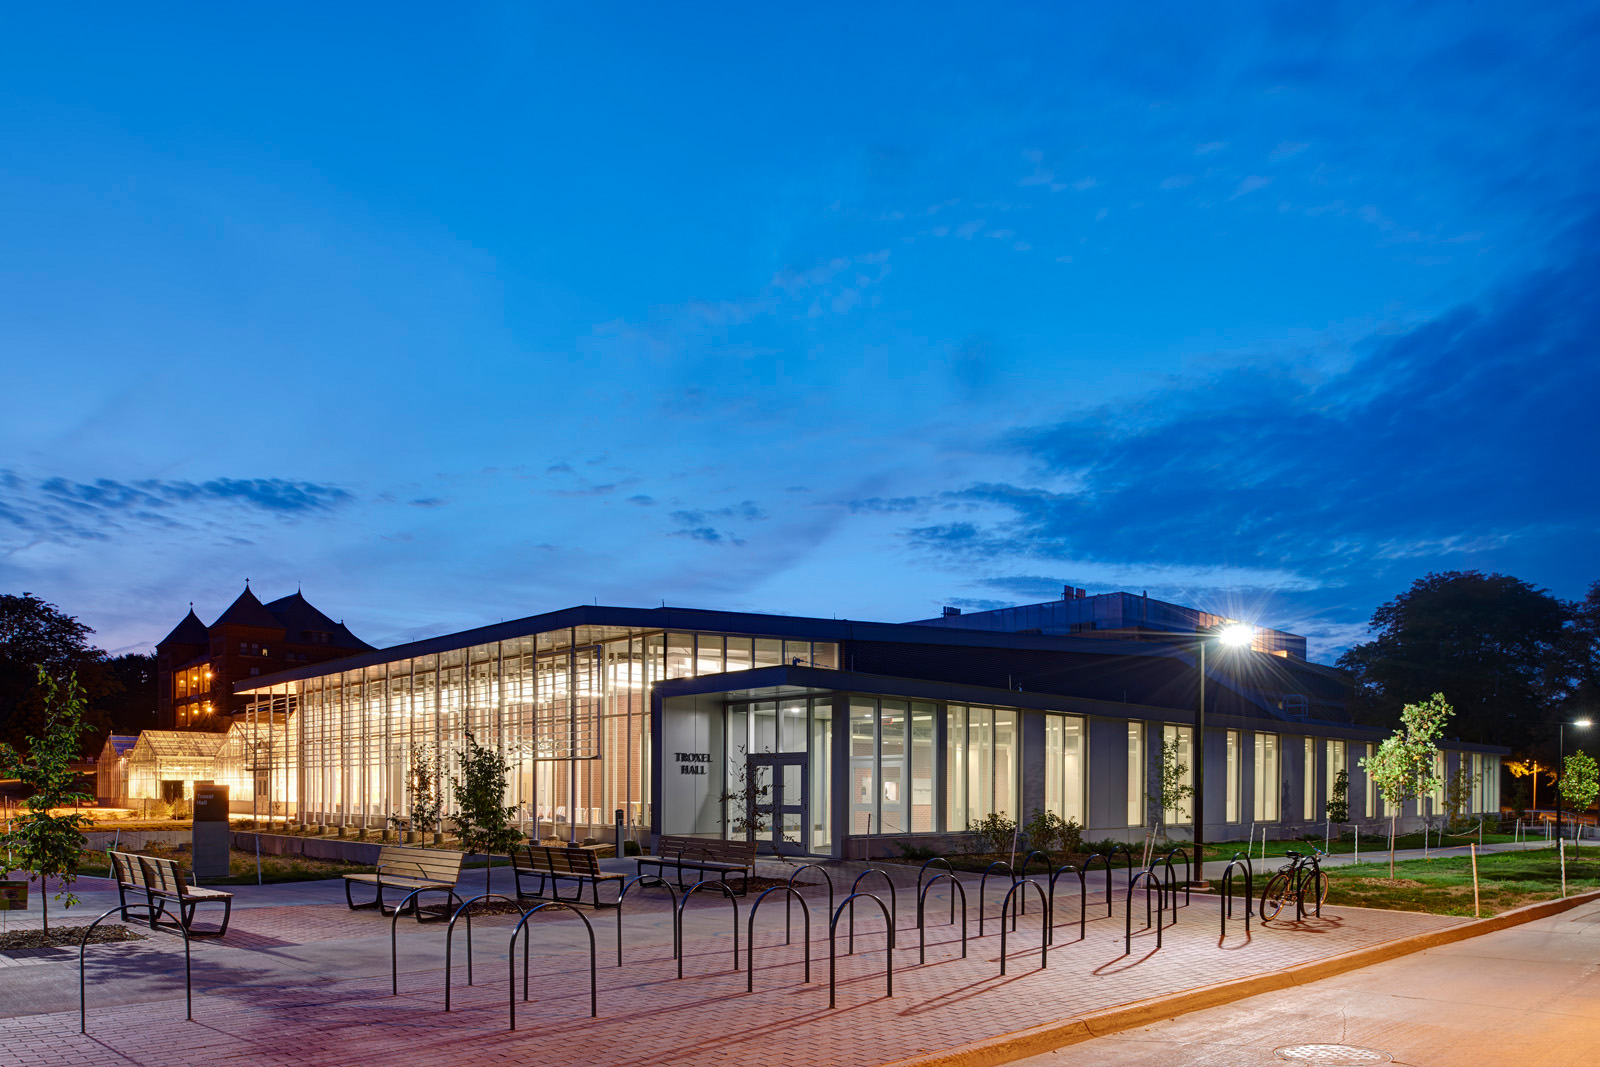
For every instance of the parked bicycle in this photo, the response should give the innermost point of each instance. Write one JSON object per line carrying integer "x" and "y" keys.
{"x": 1294, "y": 878}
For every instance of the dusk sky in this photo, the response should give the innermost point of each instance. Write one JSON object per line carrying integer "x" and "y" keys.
{"x": 455, "y": 313}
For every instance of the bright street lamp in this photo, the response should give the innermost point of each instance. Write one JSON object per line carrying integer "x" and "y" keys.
{"x": 1230, "y": 636}
{"x": 1561, "y": 762}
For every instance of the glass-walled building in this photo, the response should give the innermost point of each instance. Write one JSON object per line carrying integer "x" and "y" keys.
{"x": 819, "y": 736}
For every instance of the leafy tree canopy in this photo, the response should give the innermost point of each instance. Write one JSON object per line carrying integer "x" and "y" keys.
{"x": 35, "y": 634}
{"x": 1500, "y": 647}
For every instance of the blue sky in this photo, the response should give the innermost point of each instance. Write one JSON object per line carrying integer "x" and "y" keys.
{"x": 458, "y": 315}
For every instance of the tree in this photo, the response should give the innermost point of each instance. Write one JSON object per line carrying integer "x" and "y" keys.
{"x": 484, "y": 822}
{"x": 1173, "y": 789}
{"x": 1338, "y": 806}
{"x": 1499, "y": 646}
{"x": 35, "y": 634}
{"x": 1580, "y": 781}
{"x": 424, "y": 797}
{"x": 1403, "y": 766}
{"x": 1457, "y": 795}
{"x": 130, "y": 702}
{"x": 46, "y": 841}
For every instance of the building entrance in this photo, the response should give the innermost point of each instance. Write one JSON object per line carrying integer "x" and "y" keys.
{"x": 780, "y": 800}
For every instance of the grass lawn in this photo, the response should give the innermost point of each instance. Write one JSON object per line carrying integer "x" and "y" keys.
{"x": 1372, "y": 843}
{"x": 1444, "y": 886}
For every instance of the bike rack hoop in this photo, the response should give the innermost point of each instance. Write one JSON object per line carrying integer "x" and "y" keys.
{"x": 790, "y": 894}
{"x": 922, "y": 942}
{"x": 83, "y": 944}
{"x": 647, "y": 881}
{"x": 833, "y": 940}
{"x": 1044, "y": 932}
{"x": 732, "y": 899}
{"x": 511, "y": 958}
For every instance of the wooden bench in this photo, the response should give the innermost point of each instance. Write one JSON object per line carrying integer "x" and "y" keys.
{"x": 708, "y": 856}
{"x": 408, "y": 870}
{"x": 571, "y": 862}
{"x": 162, "y": 882}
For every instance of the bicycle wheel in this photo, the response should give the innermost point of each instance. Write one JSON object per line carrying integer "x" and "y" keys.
{"x": 1274, "y": 896}
{"x": 1322, "y": 889}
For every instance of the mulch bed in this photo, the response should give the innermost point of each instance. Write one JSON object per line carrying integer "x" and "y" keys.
{"x": 64, "y": 937}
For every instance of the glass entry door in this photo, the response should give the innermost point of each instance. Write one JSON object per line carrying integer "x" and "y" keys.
{"x": 780, "y": 800}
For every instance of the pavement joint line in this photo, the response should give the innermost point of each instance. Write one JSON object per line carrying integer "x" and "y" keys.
{"x": 1008, "y": 1048}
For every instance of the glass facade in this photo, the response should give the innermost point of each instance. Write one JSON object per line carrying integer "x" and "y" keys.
{"x": 1180, "y": 738}
{"x": 1065, "y": 783}
{"x": 1267, "y": 778}
{"x": 1136, "y": 774}
{"x": 1308, "y": 790}
{"x": 1231, "y": 794}
{"x": 568, "y": 709}
{"x": 1333, "y": 752}
{"x": 982, "y": 760}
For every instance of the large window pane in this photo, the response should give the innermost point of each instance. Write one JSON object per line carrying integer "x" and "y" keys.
{"x": 1232, "y": 796}
{"x": 680, "y": 655}
{"x": 1007, "y": 741}
{"x": 863, "y": 779}
{"x": 738, "y": 653}
{"x": 792, "y": 726}
{"x": 1136, "y": 775}
{"x": 1181, "y": 738}
{"x": 922, "y": 726}
{"x": 769, "y": 652}
{"x": 709, "y": 654}
{"x": 955, "y": 770}
{"x": 821, "y": 776}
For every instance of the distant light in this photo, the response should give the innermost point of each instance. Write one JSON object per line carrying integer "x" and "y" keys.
{"x": 1237, "y": 635}
{"x": 1583, "y": 722}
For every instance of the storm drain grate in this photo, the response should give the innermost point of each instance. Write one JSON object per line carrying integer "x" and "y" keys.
{"x": 1331, "y": 1055}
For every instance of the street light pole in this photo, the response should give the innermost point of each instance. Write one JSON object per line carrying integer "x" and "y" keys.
{"x": 1561, "y": 763}
{"x": 1200, "y": 772}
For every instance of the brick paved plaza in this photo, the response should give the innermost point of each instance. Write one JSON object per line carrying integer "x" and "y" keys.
{"x": 300, "y": 979}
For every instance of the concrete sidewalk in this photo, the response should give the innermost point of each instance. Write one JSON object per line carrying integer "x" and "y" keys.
{"x": 1528, "y": 995}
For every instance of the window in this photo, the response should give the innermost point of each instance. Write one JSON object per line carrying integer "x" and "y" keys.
{"x": 1135, "y": 774}
{"x": 982, "y": 756}
{"x": 769, "y": 652}
{"x": 1181, "y": 738}
{"x": 1372, "y": 810}
{"x": 1231, "y": 801}
{"x": 1308, "y": 787}
{"x": 1335, "y": 764}
{"x": 680, "y": 655}
{"x": 738, "y": 653}
{"x": 1267, "y": 777}
{"x": 1439, "y": 776}
{"x": 1063, "y": 766}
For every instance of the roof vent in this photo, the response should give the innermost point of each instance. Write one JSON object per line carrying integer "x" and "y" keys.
{"x": 949, "y": 611}
{"x": 1083, "y": 594}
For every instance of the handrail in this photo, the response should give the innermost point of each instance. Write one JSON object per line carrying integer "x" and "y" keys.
{"x": 833, "y": 945}
{"x": 1090, "y": 863}
{"x": 684, "y": 903}
{"x": 983, "y": 885}
{"x": 894, "y": 903}
{"x": 1226, "y": 908}
{"x": 394, "y": 920}
{"x": 1083, "y": 900}
{"x": 920, "y": 874}
{"x": 1044, "y": 932}
{"x": 83, "y": 944}
{"x": 787, "y": 911}
{"x": 1161, "y": 904}
{"x": 511, "y": 957}
{"x": 790, "y": 893}
{"x": 450, "y": 932}
{"x": 650, "y": 881}
{"x": 1022, "y": 872}
{"x": 922, "y": 940}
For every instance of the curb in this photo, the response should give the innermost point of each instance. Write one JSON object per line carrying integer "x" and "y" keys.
{"x": 1021, "y": 1044}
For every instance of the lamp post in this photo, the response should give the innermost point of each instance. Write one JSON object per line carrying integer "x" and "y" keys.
{"x": 1561, "y": 761}
{"x": 1233, "y": 635}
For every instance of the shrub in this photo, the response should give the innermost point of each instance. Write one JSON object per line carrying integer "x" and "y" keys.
{"x": 180, "y": 810}
{"x": 996, "y": 831}
{"x": 630, "y": 847}
{"x": 1051, "y": 833}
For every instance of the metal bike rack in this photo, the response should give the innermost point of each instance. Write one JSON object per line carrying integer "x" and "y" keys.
{"x": 394, "y": 957}
{"x": 1171, "y": 881}
{"x": 1226, "y": 909}
{"x": 1188, "y": 872}
{"x": 894, "y": 904}
{"x": 922, "y": 940}
{"x": 83, "y": 944}
{"x": 647, "y": 881}
{"x": 788, "y": 911}
{"x": 511, "y": 957}
{"x": 1044, "y": 932}
{"x": 1126, "y": 851}
{"x": 732, "y": 899}
{"x": 1300, "y": 888}
{"x": 1083, "y": 900}
{"x": 833, "y": 944}
{"x": 983, "y": 885}
{"x": 1022, "y": 872}
{"x": 1150, "y": 881}
{"x": 1090, "y": 863}
{"x": 449, "y": 937}
{"x": 790, "y": 894}
{"x": 920, "y": 875}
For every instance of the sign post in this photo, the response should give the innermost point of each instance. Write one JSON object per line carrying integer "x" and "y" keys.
{"x": 211, "y": 834}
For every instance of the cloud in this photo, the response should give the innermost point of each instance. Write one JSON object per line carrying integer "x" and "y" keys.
{"x": 1250, "y": 185}
{"x": 642, "y": 500}
{"x": 58, "y": 509}
{"x": 1465, "y": 441}
{"x": 426, "y": 502}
